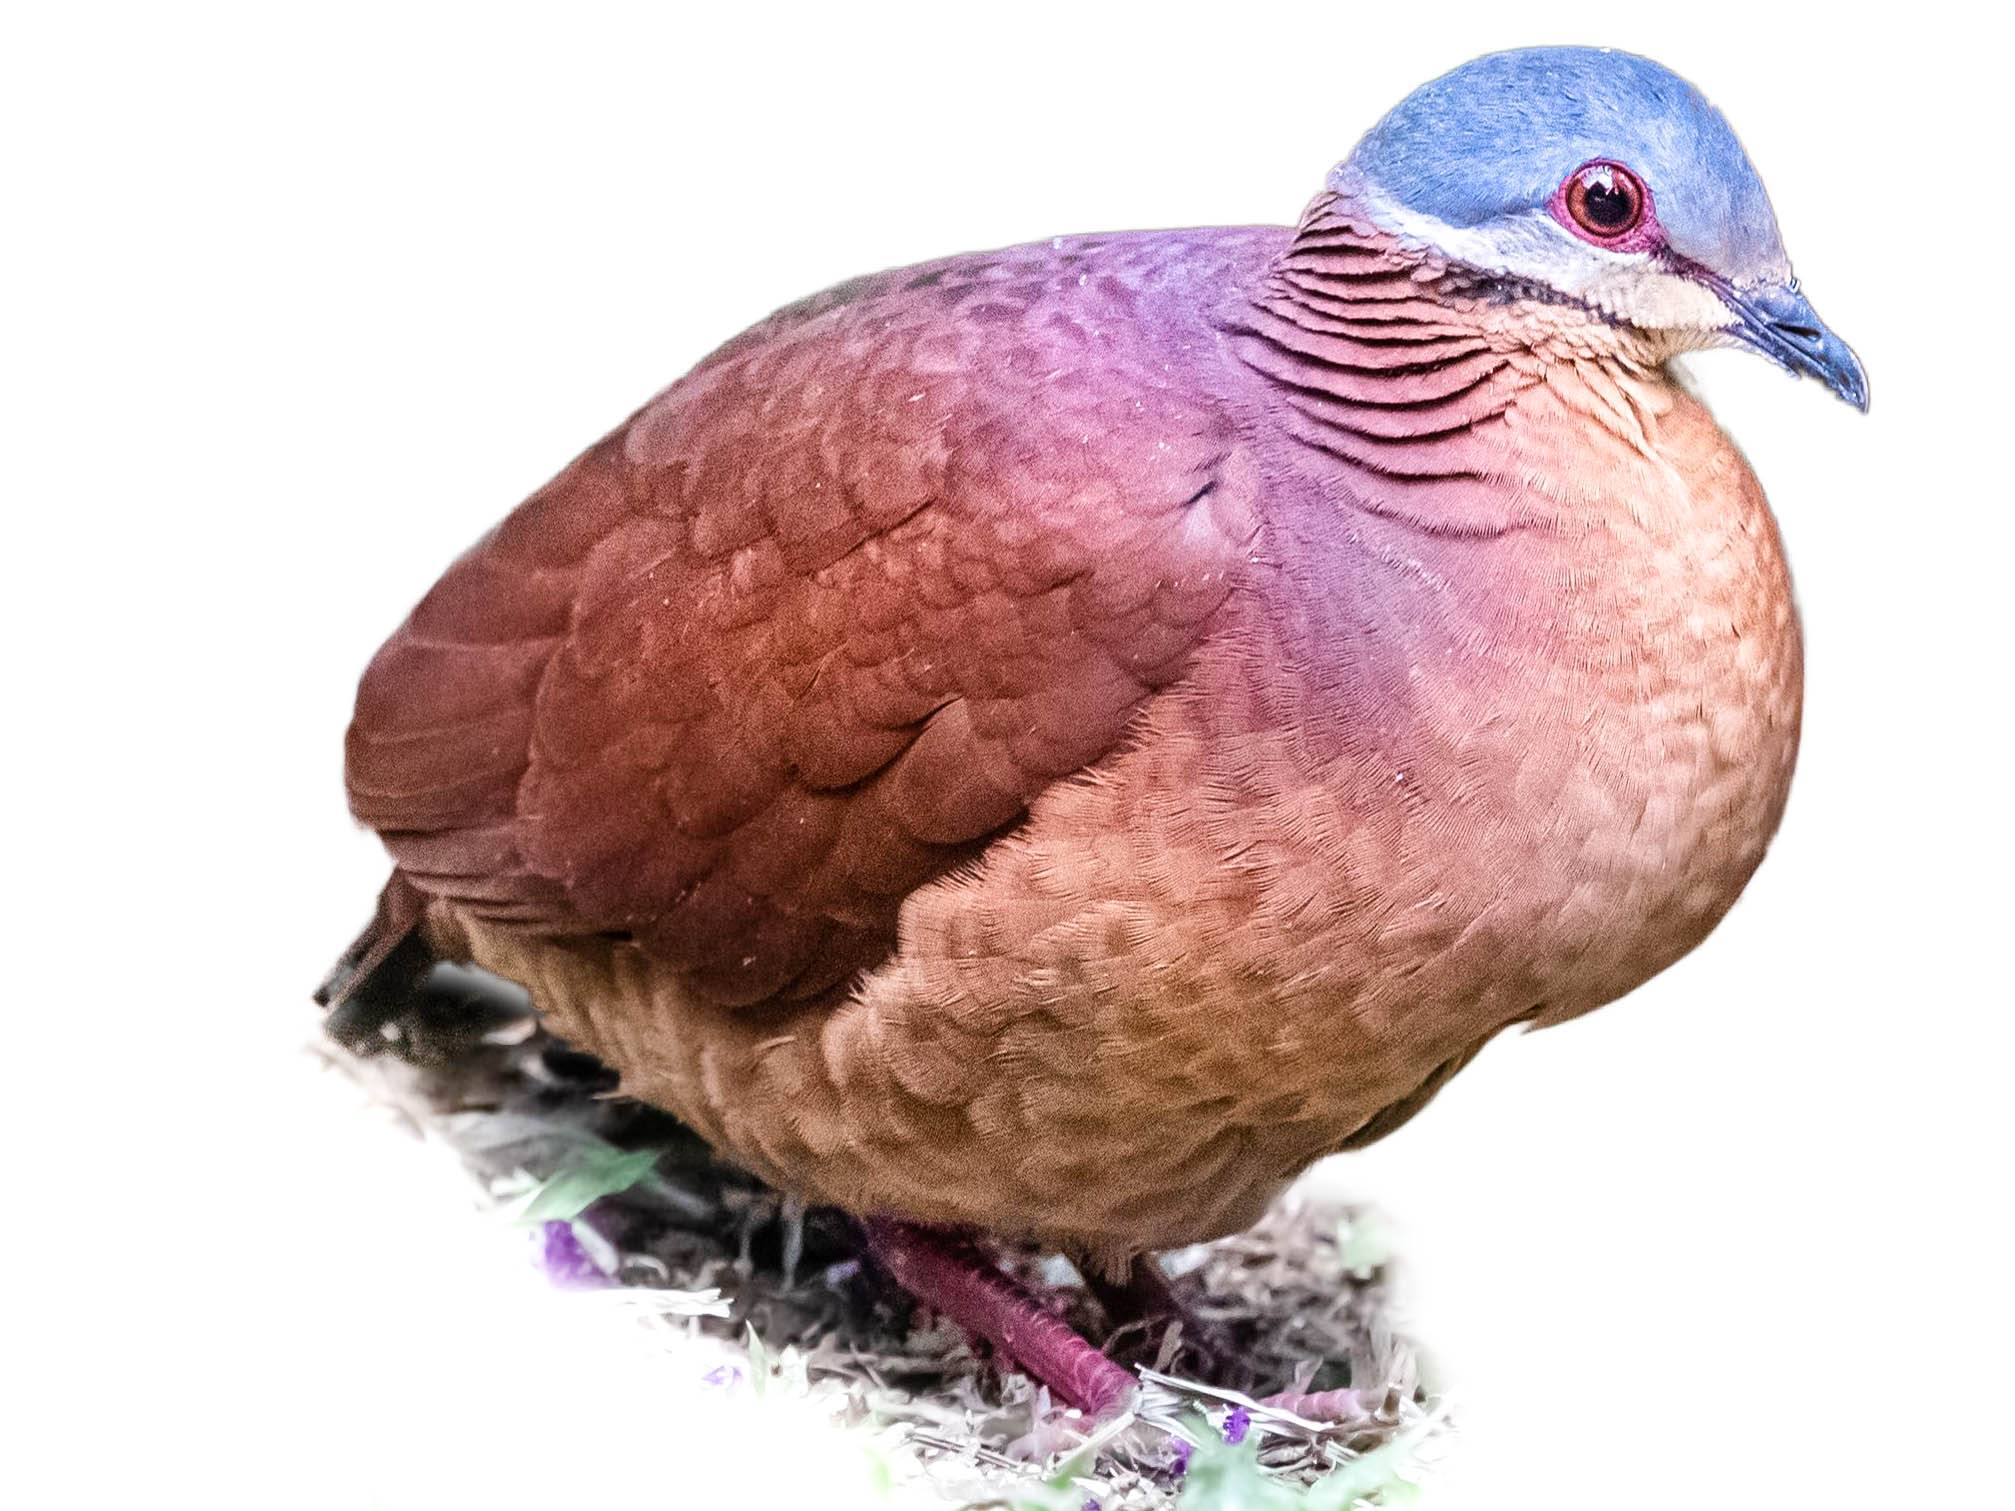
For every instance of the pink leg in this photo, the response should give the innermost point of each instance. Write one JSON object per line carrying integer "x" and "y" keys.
{"x": 953, "y": 1276}
{"x": 1323, "y": 1406}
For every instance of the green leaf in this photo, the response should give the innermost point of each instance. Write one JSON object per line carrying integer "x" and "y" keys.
{"x": 881, "y": 1473}
{"x": 1375, "y": 1473}
{"x": 1226, "y": 1477}
{"x": 600, "y": 1170}
{"x": 1364, "y": 1241}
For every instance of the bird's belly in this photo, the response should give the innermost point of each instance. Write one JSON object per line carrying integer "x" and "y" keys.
{"x": 1665, "y": 776}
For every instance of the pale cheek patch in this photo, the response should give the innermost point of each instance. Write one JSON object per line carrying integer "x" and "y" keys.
{"x": 1655, "y": 300}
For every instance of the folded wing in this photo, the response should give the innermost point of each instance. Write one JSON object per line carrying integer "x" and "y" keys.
{"x": 809, "y": 628}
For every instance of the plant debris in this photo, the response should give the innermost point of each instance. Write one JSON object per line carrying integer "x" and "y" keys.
{"x": 623, "y": 1196}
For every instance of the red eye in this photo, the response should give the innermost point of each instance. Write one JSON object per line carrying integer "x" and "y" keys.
{"x": 1603, "y": 201}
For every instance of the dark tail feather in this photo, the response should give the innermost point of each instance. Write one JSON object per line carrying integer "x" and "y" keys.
{"x": 374, "y": 979}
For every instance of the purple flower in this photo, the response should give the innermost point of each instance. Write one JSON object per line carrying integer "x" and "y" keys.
{"x": 566, "y": 1262}
{"x": 1183, "y": 1449}
{"x": 722, "y": 1377}
{"x": 1091, "y": 1503}
{"x": 1236, "y": 1424}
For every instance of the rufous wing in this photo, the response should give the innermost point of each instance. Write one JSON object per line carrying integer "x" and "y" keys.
{"x": 807, "y": 630}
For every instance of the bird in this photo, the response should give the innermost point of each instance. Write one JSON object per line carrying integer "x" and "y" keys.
{"x": 1048, "y": 743}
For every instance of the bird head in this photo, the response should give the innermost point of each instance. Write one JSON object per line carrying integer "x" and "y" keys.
{"x": 1604, "y": 180}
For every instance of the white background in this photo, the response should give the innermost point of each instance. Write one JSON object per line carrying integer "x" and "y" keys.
{"x": 300, "y": 299}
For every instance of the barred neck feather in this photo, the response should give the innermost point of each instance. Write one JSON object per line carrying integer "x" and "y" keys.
{"x": 1433, "y": 387}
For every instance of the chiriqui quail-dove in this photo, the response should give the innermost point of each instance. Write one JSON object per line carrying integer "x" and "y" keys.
{"x": 1052, "y": 741}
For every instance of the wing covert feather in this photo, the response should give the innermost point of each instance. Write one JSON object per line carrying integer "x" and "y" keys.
{"x": 810, "y": 627}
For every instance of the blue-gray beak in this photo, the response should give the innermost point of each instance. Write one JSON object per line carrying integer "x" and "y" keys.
{"x": 1780, "y": 322}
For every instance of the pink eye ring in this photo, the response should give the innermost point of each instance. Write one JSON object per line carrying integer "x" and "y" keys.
{"x": 1605, "y": 203}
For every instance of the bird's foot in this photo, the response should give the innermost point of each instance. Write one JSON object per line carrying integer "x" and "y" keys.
{"x": 1320, "y": 1406}
{"x": 1145, "y": 1297}
{"x": 954, "y": 1276}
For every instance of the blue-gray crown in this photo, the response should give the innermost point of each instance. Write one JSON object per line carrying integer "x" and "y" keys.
{"x": 1497, "y": 136}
